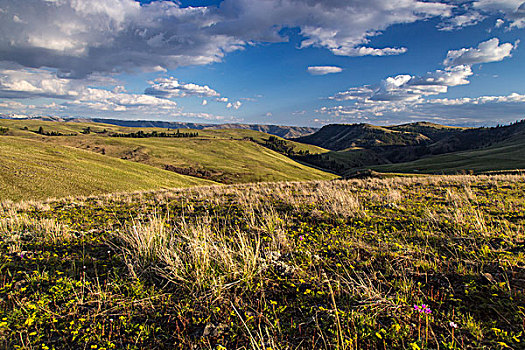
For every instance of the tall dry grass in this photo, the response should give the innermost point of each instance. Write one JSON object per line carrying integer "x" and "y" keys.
{"x": 15, "y": 227}
{"x": 199, "y": 255}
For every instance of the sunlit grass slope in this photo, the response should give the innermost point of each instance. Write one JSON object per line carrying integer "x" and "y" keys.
{"x": 31, "y": 169}
{"x": 503, "y": 156}
{"x": 227, "y": 156}
{"x": 229, "y": 160}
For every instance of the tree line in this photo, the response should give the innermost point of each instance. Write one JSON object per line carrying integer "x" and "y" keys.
{"x": 141, "y": 134}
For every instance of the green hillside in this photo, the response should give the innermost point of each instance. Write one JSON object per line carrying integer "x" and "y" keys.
{"x": 31, "y": 169}
{"x": 339, "y": 137}
{"x": 503, "y": 156}
{"x": 417, "y": 147}
{"x": 223, "y": 160}
{"x": 226, "y": 156}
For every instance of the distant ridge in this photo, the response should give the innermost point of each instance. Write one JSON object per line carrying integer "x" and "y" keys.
{"x": 338, "y": 137}
{"x": 286, "y": 132}
{"x": 357, "y": 146}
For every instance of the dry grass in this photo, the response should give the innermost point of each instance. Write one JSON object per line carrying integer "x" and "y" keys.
{"x": 17, "y": 226}
{"x": 201, "y": 255}
{"x": 332, "y": 265}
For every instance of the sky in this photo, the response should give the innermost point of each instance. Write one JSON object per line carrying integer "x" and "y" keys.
{"x": 286, "y": 62}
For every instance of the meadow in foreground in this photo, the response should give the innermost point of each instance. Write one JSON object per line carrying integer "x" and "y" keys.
{"x": 413, "y": 263}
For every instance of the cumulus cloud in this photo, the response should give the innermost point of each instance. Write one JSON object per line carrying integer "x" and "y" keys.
{"x": 33, "y": 83}
{"x": 234, "y": 105}
{"x": 323, "y": 70}
{"x": 78, "y": 38}
{"x": 401, "y": 97}
{"x": 487, "y": 51}
{"x": 513, "y": 10}
{"x": 406, "y": 87}
{"x": 168, "y": 88}
{"x": 482, "y": 110}
{"x": 171, "y": 87}
{"x": 469, "y": 18}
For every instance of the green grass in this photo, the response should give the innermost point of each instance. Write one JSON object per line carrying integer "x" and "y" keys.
{"x": 504, "y": 156}
{"x": 228, "y": 156}
{"x": 229, "y": 160}
{"x": 260, "y": 137}
{"x": 317, "y": 265}
{"x": 32, "y": 169}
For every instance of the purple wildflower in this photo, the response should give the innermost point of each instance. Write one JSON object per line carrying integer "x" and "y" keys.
{"x": 423, "y": 308}
{"x": 301, "y": 238}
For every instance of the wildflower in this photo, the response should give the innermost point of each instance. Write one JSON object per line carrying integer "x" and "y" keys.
{"x": 453, "y": 324}
{"x": 301, "y": 238}
{"x": 423, "y": 308}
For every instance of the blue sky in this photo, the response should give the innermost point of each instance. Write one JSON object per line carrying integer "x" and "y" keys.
{"x": 290, "y": 62}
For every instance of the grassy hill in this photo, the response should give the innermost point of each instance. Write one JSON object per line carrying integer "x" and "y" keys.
{"x": 277, "y": 130}
{"x": 416, "y": 146}
{"x": 507, "y": 155}
{"x": 226, "y": 156}
{"x": 337, "y": 137}
{"x": 432, "y": 262}
{"x": 31, "y": 169}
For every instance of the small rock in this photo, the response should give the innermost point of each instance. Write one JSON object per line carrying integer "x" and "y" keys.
{"x": 210, "y": 330}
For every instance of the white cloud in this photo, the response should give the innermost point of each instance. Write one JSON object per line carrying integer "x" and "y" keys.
{"x": 487, "y": 51}
{"x": 34, "y": 83}
{"x": 79, "y": 38}
{"x": 171, "y": 87}
{"x": 323, "y": 70}
{"x": 499, "y": 23}
{"x": 119, "y": 88}
{"x": 513, "y": 10}
{"x": 168, "y": 88}
{"x": 512, "y": 98}
{"x": 482, "y": 110}
{"x": 469, "y": 18}
{"x": 369, "y": 51}
{"x": 82, "y": 37}
{"x": 17, "y": 19}
{"x": 12, "y": 104}
{"x": 234, "y": 105}
{"x": 408, "y": 88}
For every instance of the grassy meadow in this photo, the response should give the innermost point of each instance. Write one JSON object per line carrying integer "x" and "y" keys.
{"x": 432, "y": 262}
{"x": 36, "y": 166}
{"x": 31, "y": 169}
{"x": 506, "y": 155}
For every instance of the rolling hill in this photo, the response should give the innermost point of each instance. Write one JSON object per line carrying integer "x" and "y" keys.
{"x": 359, "y": 146}
{"x": 507, "y": 155}
{"x": 32, "y": 169}
{"x": 278, "y": 130}
{"x": 225, "y": 156}
{"x": 338, "y": 137}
